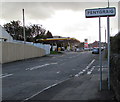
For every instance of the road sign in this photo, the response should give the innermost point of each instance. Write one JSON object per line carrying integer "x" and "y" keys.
{"x": 100, "y": 12}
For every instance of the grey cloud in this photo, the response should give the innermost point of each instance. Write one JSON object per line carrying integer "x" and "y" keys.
{"x": 43, "y": 10}
{"x": 32, "y": 10}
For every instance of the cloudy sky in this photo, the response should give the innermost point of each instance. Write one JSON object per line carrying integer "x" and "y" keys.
{"x": 65, "y": 19}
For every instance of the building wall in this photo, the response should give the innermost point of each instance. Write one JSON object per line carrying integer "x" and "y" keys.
{"x": 95, "y": 44}
{"x": 14, "y": 51}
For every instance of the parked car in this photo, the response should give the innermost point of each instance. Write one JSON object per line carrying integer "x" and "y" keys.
{"x": 95, "y": 51}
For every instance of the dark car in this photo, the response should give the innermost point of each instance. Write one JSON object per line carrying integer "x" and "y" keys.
{"x": 95, "y": 51}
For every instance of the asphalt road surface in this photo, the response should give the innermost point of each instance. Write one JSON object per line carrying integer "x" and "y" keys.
{"x": 24, "y": 79}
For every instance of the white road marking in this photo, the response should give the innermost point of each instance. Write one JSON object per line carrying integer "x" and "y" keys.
{"x": 44, "y": 90}
{"x": 62, "y": 64}
{"x": 76, "y": 75}
{"x": 58, "y": 72}
{"x": 5, "y": 75}
{"x": 89, "y": 72}
{"x": 102, "y": 69}
{"x": 90, "y": 64}
{"x": 73, "y": 56}
{"x": 53, "y": 57}
{"x": 1, "y": 75}
{"x": 40, "y": 66}
{"x": 53, "y": 63}
{"x": 85, "y": 68}
{"x": 70, "y": 57}
{"x": 62, "y": 60}
{"x": 79, "y": 73}
{"x": 99, "y": 66}
{"x": 37, "y": 67}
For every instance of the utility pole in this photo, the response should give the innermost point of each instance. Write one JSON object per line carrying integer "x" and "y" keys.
{"x": 108, "y": 36}
{"x": 24, "y": 26}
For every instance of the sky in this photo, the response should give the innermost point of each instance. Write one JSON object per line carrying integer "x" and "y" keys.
{"x": 65, "y": 19}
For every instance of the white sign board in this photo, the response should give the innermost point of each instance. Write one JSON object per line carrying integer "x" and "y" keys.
{"x": 100, "y": 12}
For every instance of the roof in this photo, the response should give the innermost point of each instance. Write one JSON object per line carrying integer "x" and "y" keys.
{"x": 52, "y": 39}
{"x": 5, "y": 35}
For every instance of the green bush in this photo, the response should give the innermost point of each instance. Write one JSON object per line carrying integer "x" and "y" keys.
{"x": 55, "y": 52}
{"x": 115, "y": 64}
{"x": 115, "y": 44}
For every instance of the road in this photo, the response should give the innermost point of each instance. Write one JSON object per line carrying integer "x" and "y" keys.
{"x": 24, "y": 79}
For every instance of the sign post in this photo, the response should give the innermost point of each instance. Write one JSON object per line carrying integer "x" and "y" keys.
{"x": 108, "y": 41}
{"x": 100, "y": 54}
{"x": 102, "y": 12}
{"x": 108, "y": 35}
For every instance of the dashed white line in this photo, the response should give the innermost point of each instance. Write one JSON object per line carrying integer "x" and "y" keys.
{"x": 79, "y": 73}
{"x": 40, "y": 66}
{"x": 53, "y": 57}
{"x": 90, "y": 64}
{"x": 1, "y": 75}
{"x": 73, "y": 56}
{"x": 37, "y": 67}
{"x": 53, "y": 63}
{"x": 102, "y": 69}
{"x": 89, "y": 72}
{"x": 44, "y": 90}
{"x": 62, "y": 64}
{"x": 5, "y": 75}
{"x": 58, "y": 72}
{"x": 85, "y": 68}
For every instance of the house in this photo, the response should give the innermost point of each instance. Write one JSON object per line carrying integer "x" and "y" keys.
{"x": 4, "y": 35}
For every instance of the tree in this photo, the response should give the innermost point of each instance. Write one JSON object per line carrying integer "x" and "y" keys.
{"x": 115, "y": 41}
{"x": 14, "y": 29}
{"x": 49, "y": 34}
{"x": 32, "y": 32}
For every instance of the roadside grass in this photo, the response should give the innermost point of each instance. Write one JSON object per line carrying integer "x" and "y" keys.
{"x": 55, "y": 52}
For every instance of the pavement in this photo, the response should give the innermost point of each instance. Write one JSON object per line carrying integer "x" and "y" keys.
{"x": 76, "y": 89}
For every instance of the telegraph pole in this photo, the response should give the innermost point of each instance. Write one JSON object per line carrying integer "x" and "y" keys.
{"x": 24, "y": 26}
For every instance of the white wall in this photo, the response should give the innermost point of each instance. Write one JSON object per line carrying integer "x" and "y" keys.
{"x": 15, "y": 51}
{"x": 46, "y": 47}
